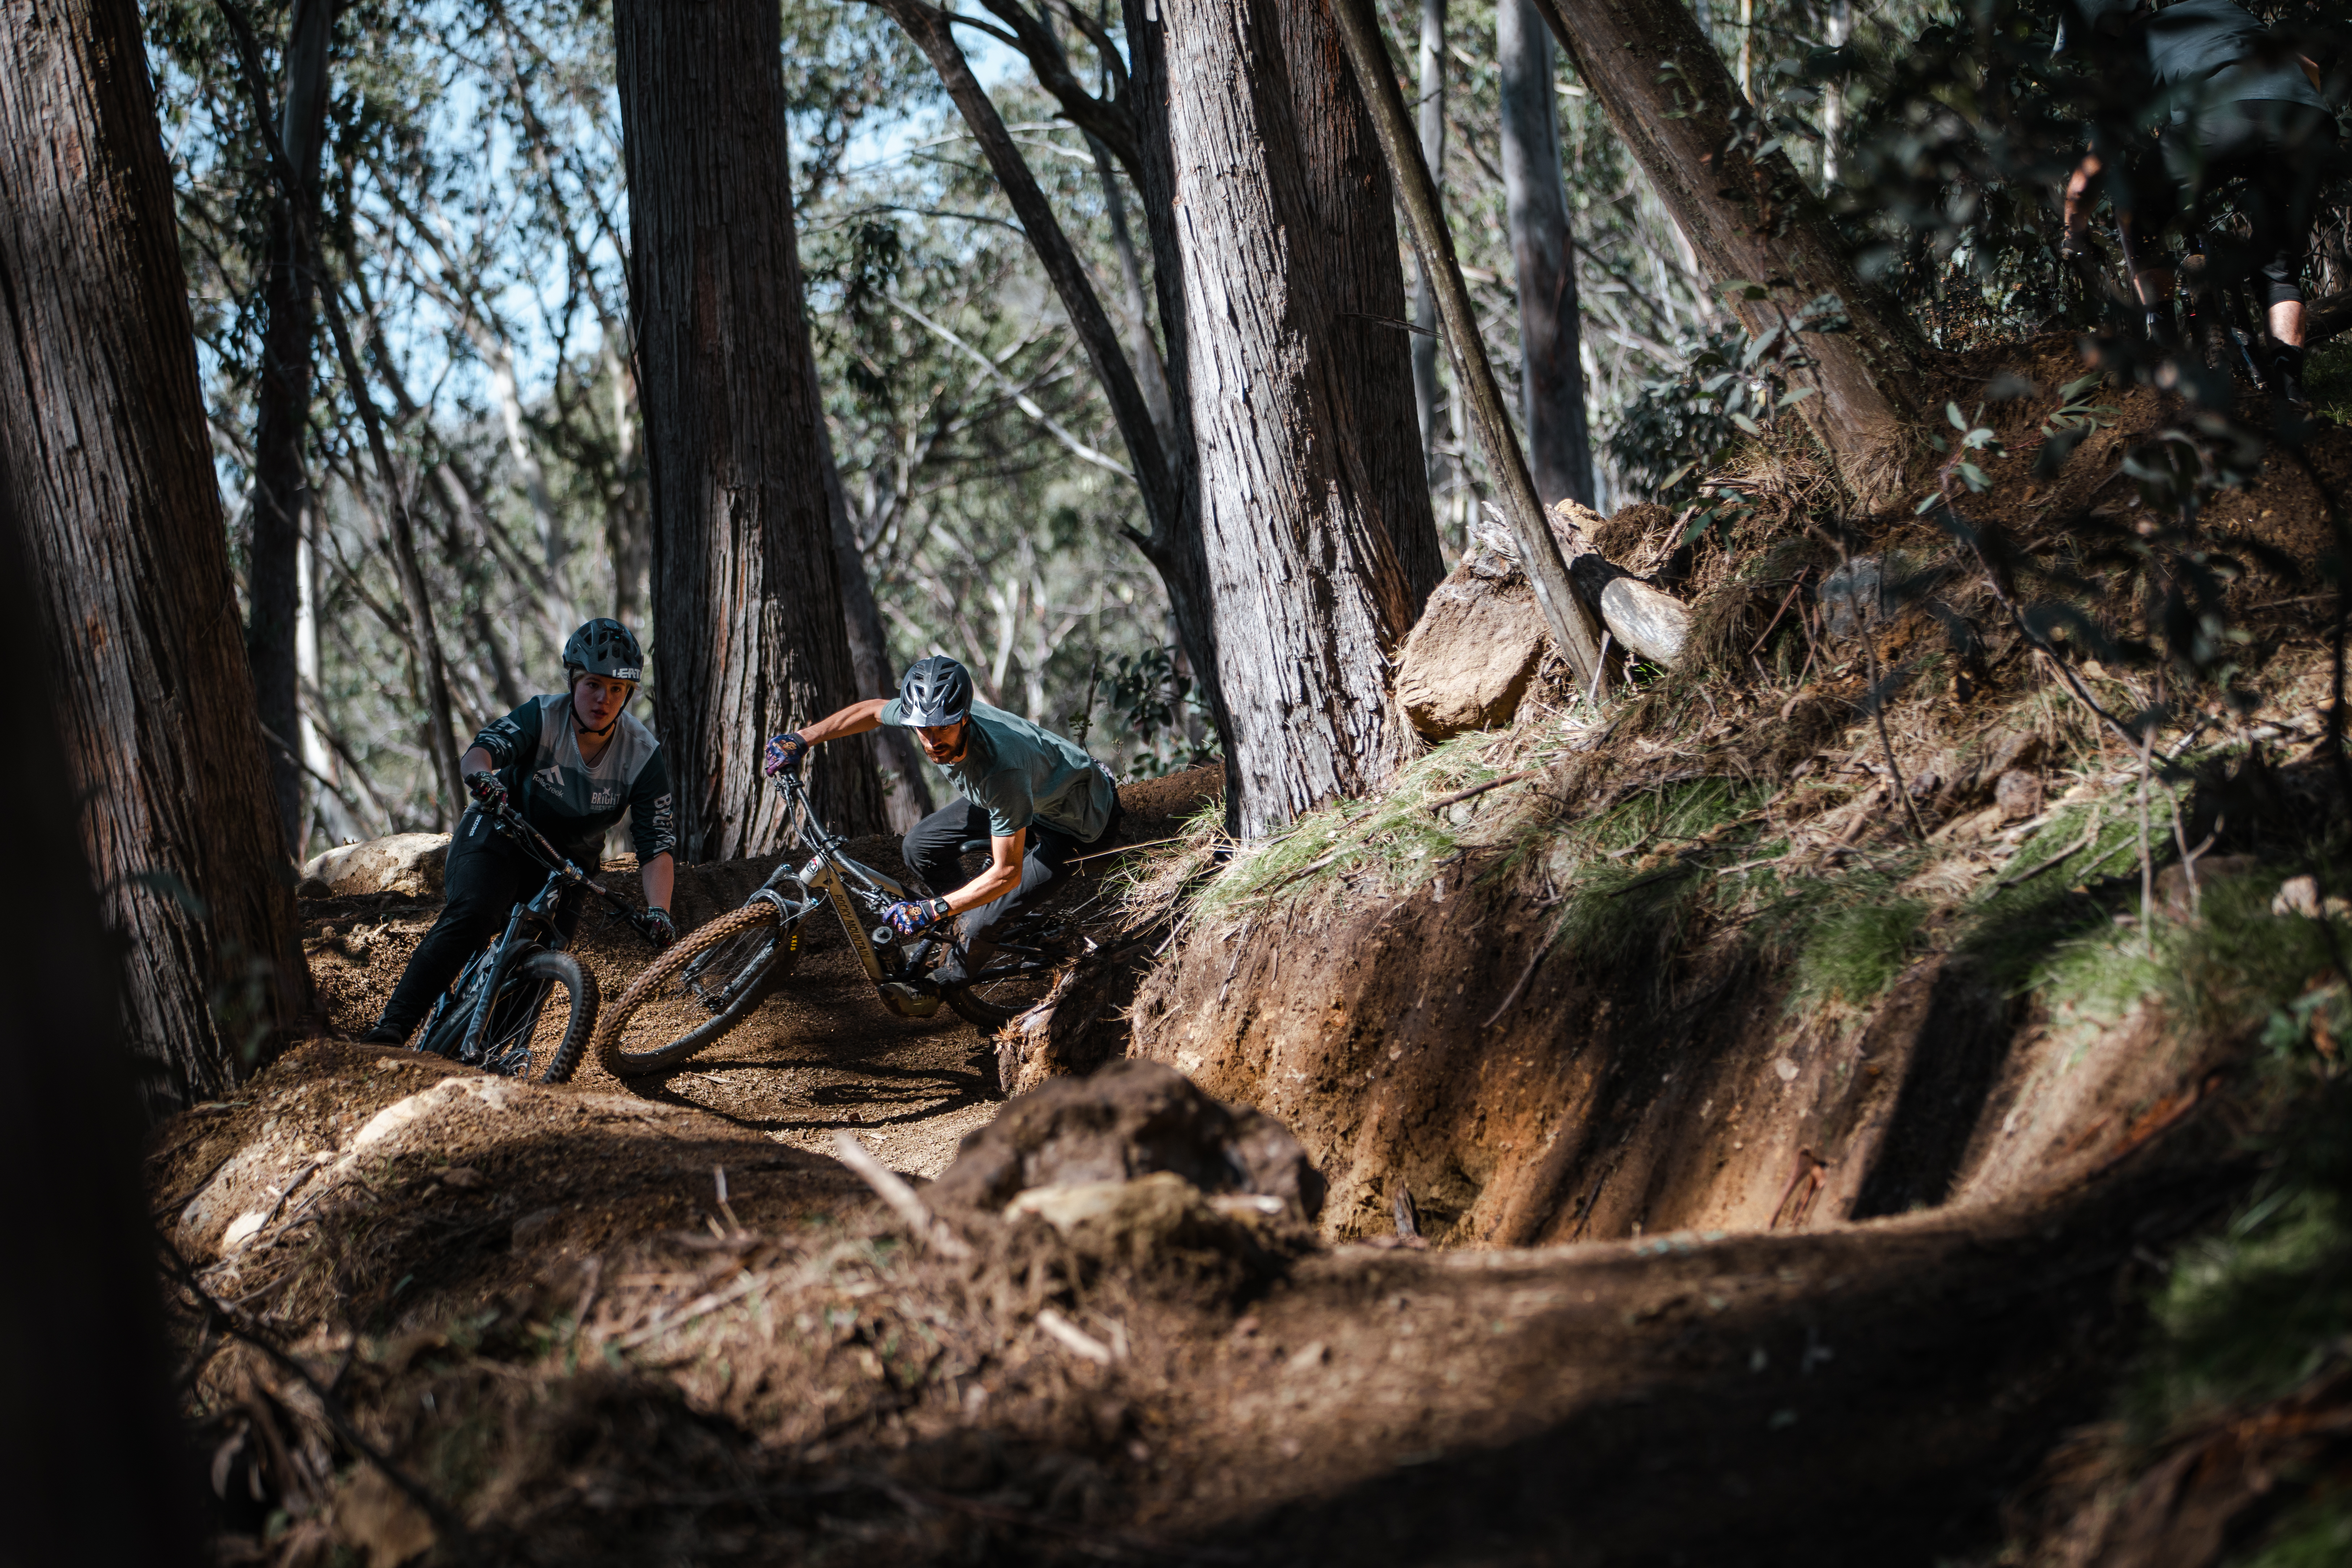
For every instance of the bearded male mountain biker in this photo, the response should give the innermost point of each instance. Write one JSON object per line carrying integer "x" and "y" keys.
{"x": 1037, "y": 798}
{"x": 570, "y": 763}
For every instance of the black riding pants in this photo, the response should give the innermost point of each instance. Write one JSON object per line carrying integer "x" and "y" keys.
{"x": 934, "y": 850}
{"x": 487, "y": 876}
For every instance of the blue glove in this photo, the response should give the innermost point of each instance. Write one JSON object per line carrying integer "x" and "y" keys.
{"x": 785, "y": 752}
{"x": 907, "y": 917}
{"x": 487, "y": 789}
{"x": 665, "y": 930}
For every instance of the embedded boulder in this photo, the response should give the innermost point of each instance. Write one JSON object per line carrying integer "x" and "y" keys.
{"x": 407, "y": 863}
{"x": 1481, "y": 638}
{"x": 1475, "y": 648}
{"x": 1131, "y": 1119}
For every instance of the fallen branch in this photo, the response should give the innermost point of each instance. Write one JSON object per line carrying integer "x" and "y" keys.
{"x": 929, "y": 1227}
{"x": 702, "y": 1306}
{"x": 445, "y": 1524}
{"x": 1074, "y": 1338}
{"x": 1459, "y": 795}
{"x": 2090, "y": 837}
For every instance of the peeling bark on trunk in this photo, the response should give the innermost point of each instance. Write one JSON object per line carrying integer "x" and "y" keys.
{"x": 1425, "y": 391}
{"x": 1668, "y": 96}
{"x": 1551, "y": 370}
{"x": 746, "y": 591}
{"x": 1315, "y": 555}
{"x": 106, "y": 469}
{"x": 281, "y": 487}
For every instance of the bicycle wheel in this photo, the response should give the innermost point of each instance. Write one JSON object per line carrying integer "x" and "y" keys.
{"x": 1016, "y": 977}
{"x": 530, "y": 1036}
{"x": 691, "y": 995}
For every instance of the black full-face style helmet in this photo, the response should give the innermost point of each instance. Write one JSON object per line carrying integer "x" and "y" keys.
{"x": 606, "y": 647}
{"x": 937, "y": 691}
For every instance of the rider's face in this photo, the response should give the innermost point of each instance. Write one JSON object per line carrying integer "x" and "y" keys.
{"x": 599, "y": 700}
{"x": 942, "y": 742}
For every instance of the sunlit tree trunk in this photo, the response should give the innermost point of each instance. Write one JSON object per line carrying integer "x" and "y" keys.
{"x": 1314, "y": 508}
{"x": 746, "y": 591}
{"x": 1551, "y": 370}
{"x": 1669, "y": 98}
{"x": 106, "y": 468}
{"x": 1432, "y": 125}
{"x": 281, "y": 487}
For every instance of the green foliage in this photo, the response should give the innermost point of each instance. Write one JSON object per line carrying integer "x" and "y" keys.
{"x": 1158, "y": 711}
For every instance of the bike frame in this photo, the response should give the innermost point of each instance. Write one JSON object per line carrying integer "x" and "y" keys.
{"x": 531, "y": 920}
{"x": 830, "y": 876}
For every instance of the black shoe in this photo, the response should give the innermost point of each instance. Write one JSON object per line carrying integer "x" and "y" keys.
{"x": 2286, "y": 376}
{"x": 381, "y": 1034}
{"x": 961, "y": 963}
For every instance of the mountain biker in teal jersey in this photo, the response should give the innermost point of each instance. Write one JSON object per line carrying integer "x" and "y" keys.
{"x": 2190, "y": 97}
{"x": 1037, "y": 798}
{"x": 570, "y": 763}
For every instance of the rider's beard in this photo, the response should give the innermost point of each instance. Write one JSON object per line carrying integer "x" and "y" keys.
{"x": 942, "y": 754}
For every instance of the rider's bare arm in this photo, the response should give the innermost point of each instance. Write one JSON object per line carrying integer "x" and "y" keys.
{"x": 854, "y": 720}
{"x": 476, "y": 761}
{"x": 657, "y": 874}
{"x": 1004, "y": 874}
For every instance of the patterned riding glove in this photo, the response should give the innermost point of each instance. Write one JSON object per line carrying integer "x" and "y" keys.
{"x": 785, "y": 752}
{"x": 907, "y": 917}
{"x": 487, "y": 789}
{"x": 665, "y": 930}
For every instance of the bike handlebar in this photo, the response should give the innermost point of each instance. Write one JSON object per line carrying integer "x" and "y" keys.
{"x": 511, "y": 822}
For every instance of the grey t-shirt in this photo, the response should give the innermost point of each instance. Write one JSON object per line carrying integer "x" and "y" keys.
{"x": 537, "y": 756}
{"x": 1020, "y": 772}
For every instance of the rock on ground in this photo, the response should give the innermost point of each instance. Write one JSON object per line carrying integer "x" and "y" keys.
{"x": 408, "y": 863}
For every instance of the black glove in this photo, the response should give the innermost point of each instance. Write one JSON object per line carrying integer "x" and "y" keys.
{"x": 489, "y": 791}
{"x": 665, "y": 930}
{"x": 907, "y": 917}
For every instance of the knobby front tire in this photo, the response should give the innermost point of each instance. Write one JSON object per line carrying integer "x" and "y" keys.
{"x": 563, "y": 974}
{"x": 662, "y": 1019}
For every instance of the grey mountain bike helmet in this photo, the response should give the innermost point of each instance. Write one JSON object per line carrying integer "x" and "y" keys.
{"x": 606, "y": 647}
{"x": 937, "y": 690}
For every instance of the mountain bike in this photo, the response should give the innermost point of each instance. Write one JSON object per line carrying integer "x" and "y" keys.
{"x": 689, "y": 998}
{"x": 492, "y": 1017}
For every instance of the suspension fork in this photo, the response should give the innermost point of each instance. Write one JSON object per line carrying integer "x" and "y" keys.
{"x": 478, "y": 1026}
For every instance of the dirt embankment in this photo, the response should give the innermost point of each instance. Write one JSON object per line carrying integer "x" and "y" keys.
{"x": 1734, "y": 961}
{"x": 1865, "y": 1146}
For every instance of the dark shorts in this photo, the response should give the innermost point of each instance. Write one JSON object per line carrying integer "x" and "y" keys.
{"x": 934, "y": 852}
{"x": 2244, "y": 180}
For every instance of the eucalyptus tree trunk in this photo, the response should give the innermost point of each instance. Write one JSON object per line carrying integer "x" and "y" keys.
{"x": 747, "y": 609}
{"x": 1551, "y": 368}
{"x": 1314, "y": 508}
{"x": 106, "y": 469}
{"x": 1750, "y": 219}
{"x": 1432, "y": 118}
{"x": 281, "y": 488}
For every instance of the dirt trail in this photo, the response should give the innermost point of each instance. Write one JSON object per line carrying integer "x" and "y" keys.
{"x": 822, "y": 1054}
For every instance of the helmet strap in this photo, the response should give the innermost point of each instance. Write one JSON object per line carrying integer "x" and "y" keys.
{"x": 580, "y": 727}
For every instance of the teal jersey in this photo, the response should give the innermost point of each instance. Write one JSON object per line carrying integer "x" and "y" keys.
{"x": 538, "y": 757}
{"x": 1020, "y": 772}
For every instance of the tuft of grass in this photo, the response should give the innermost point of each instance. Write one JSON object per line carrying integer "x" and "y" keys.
{"x": 1853, "y": 953}
{"x": 1394, "y": 837}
